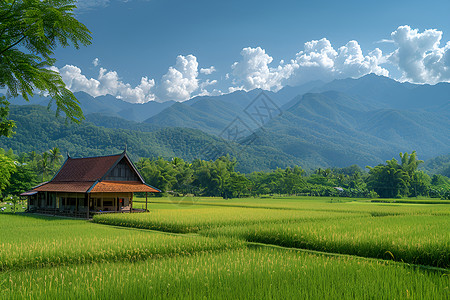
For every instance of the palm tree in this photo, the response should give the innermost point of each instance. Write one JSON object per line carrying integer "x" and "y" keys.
{"x": 55, "y": 156}
{"x": 410, "y": 162}
{"x": 32, "y": 155}
{"x": 44, "y": 164}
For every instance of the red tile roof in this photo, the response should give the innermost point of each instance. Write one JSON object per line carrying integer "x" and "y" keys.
{"x": 69, "y": 187}
{"x": 122, "y": 186}
{"x": 84, "y": 175}
{"x": 85, "y": 169}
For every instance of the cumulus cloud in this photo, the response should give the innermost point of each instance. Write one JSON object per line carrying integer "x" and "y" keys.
{"x": 179, "y": 83}
{"x": 419, "y": 56}
{"x": 318, "y": 61}
{"x": 107, "y": 82}
{"x": 204, "y": 92}
{"x": 181, "y": 80}
{"x": 208, "y": 71}
{"x": 253, "y": 70}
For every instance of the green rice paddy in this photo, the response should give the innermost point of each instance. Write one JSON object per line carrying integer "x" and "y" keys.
{"x": 213, "y": 248}
{"x": 235, "y": 274}
{"x": 46, "y": 241}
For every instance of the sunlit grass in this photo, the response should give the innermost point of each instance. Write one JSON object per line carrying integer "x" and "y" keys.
{"x": 39, "y": 242}
{"x": 421, "y": 239}
{"x": 331, "y": 204}
{"x": 192, "y": 220}
{"x": 56, "y": 258}
{"x": 237, "y": 274}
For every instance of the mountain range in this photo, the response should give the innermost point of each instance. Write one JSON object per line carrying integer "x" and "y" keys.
{"x": 361, "y": 121}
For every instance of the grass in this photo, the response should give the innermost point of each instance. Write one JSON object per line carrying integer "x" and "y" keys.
{"x": 39, "y": 242}
{"x": 413, "y": 201}
{"x": 326, "y": 204}
{"x": 240, "y": 274}
{"x": 193, "y": 220}
{"x": 413, "y": 239}
{"x": 57, "y": 258}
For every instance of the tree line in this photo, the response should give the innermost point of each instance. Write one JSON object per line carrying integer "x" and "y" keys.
{"x": 218, "y": 178}
{"x": 19, "y": 173}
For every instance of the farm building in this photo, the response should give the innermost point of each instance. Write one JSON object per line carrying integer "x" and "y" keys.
{"x": 86, "y": 186}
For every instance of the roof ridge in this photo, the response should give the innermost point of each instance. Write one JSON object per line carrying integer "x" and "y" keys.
{"x": 96, "y": 156}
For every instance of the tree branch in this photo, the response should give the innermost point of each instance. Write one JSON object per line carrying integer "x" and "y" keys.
{"x": 13, "y": 45}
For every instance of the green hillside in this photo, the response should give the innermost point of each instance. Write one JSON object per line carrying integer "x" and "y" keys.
{"x": 438, "y": 165}
{"x": 38, "y": 130}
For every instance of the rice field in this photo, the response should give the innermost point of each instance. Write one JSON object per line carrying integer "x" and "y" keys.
{"x": 211, "y": 248}
{"x": 46, "y": 241}
{"x": 326, "y": 204}
{"x": 421, "y": 239}
{"x": 236, "y": 274}
{"x": 192, "y": 220}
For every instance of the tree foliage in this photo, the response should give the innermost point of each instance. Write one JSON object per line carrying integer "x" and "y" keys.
{"x": 25, "y": 170}
{"x": 30, "y": 31}
{"x": 7, "y": 168}
{"x": 397, "y": 180}
{"x": 219, "y": 178}
{"x": 6, "y": 126}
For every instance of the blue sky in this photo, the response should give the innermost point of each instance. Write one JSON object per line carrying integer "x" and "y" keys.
{"x": 173, "y": 50}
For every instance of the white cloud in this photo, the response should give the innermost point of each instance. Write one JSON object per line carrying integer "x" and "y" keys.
{"x": 419, "y": 56}
{"x": 385, "y": 41}
{"x": 180, "y": 81}
{"x": 204, "y": 91}
{"x": 75, "y": 81}
{"x": 208, "y": 71}
{"x": 318, "y": 61}
{"x": 351, "y": 62}
{"x": 108, "y": 82}
{"x": 253, "y": 70}
{"x": 232, "y": 89}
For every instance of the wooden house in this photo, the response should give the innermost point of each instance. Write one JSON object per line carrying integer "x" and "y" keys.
{"x": 86, "y": 186}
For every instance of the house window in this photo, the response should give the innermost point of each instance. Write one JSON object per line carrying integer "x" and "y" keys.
{"x": 108, "y": 203}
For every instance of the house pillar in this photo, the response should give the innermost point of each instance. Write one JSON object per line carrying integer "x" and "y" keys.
{"x": 54, "y": 203}
{"x": 88, "y": 205}
{"x": 131, "y": 203}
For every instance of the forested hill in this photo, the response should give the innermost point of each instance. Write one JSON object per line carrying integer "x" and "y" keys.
{"x": 438, "y": 165}
{"x": 363, "y": 121}
{"x": 39, "y": 130}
